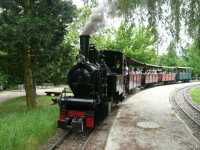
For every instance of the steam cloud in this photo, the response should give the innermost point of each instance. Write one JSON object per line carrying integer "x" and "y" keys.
{"x": 97, "y": 18}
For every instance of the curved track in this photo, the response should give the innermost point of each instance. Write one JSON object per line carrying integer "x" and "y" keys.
{"x": 59, "y": 141}
{"x": 188, "y": 111}
{"x": 83, "y": 147}
{"x": 70, "y": 140}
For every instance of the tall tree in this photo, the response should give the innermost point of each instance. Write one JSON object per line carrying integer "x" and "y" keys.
{"x": 30, "y": 28}
{"x": 171, "y": 58}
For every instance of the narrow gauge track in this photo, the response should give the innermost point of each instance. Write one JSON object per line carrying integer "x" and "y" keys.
{"x": 188, "y": 110}
{"x": 83, "y": 147}
{"x": 70, "y": 140}
{"x": 73, "y": 140}
{"x": 60, "y": 140}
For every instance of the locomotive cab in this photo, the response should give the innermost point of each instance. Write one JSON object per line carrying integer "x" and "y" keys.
{"x": 118, "y": 66}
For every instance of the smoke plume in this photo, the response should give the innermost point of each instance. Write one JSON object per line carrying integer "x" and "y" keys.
{"x": 97, "y": 18}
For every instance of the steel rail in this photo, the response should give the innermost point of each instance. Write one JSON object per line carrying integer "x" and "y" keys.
{"x": 88, "y": 138}
{"x": 174, "y": 97}
{"x": 60, "y": 140}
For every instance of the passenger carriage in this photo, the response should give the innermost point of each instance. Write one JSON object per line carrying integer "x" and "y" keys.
{"x": 168, "y": 75}
{"x": 134, "y": 73}
{"x": 183, "y": 74}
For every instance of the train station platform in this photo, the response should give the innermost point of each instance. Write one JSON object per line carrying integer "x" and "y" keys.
{"x": 146, "y": 121}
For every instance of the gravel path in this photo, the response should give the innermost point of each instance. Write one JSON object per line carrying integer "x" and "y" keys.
{"x": 146, "y": 121}
{"x": 5, "y": 95}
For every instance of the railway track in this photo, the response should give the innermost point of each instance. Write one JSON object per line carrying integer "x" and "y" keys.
{"x": 70, "y": 139}
{"x": 83, "y": 147}
{"x": 60, "y": 140}
{"x": 188, "y": 111}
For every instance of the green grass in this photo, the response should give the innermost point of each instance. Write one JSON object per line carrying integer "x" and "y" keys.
{"x": 195, "y": 93}
{"x": 22, "y": 129}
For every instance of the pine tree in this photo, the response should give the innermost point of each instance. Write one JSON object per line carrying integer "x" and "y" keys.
{"x": 30, "y": 28}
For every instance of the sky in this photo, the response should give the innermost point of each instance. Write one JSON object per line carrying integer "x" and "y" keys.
{"x": 78, "y": 3}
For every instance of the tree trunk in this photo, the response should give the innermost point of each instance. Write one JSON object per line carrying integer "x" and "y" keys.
{"x": 28, "y": 79}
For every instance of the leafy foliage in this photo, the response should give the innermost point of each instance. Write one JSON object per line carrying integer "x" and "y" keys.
{"x": 186, "y": 11}
{"x": 193, "y": 58}
{"x": 3, "y": 79}
{"x": 172, "y": 59}
{"x": 72, "y": 38}
{"x": 137, "y": 43}
{"x": 65, "y": 56}
{"x": 175, "y": 15}
{"x": 40, "y": 28}
{"x": 32, "y": 31}
{"x": 169, "y": 59}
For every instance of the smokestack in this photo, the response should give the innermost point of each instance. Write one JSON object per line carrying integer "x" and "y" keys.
{"x": 84, "y": 45}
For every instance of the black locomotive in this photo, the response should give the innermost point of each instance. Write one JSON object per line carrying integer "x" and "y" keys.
{"x": 103, "y": 78}
{"x": 97, "y": 82}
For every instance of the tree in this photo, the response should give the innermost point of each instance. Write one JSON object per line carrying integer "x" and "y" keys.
{"x": 3, "y": 79}
{"x": 31, "y": 28}
{"x": 193, "y": 57}
{"x": 175, "y": 15}
{"x": 137, "y": 43}
{"x": 171, "y": 58}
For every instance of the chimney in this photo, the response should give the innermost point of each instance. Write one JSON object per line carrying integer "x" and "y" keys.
{"x": 84, "y": 45}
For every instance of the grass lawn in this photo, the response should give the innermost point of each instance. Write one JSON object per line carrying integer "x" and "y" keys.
{"x": 21, "y": 129}
{"x": 195, "y": 93}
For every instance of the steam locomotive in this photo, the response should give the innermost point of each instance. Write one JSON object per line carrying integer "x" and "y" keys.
{"x": 103, "y": 78}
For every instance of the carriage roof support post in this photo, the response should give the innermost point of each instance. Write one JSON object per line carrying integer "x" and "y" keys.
{"x": 84, "y": 45}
